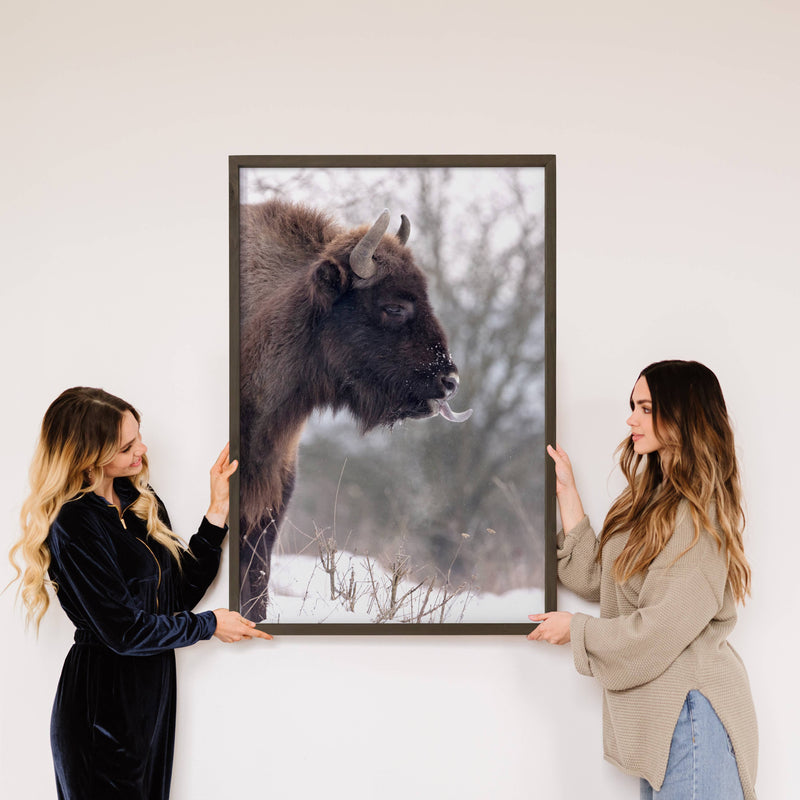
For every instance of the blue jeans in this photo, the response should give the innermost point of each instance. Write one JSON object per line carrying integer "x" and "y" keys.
{"x": 702, "y": 764}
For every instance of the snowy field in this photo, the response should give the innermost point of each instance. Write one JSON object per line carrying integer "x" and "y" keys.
{"x": 355, "y": 589}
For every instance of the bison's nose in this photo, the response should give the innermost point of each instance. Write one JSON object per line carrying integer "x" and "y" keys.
{"x": 449, "y": 383}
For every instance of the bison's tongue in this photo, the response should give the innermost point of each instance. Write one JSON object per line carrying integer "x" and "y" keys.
{"x": 453, "y": 416}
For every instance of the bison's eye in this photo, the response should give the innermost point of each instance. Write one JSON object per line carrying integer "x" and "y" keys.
{"x": 395, "y": 314}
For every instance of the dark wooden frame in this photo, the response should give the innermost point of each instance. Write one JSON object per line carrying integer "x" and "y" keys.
{"x": 548, "y": 163}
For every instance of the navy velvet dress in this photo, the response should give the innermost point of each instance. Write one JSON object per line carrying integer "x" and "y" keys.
{"x": 113, "y": 723}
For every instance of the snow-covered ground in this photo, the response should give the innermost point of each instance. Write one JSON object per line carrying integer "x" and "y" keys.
{"x": 300, "y": 592}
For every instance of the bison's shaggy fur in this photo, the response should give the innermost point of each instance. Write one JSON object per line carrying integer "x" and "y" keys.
{"x": 315, "y": 334}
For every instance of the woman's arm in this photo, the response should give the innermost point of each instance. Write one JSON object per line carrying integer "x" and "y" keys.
{"x": 95, "y": 593}
{"x": 578, "y": 568}
{"x": 199, "y": 566}
{"x": 569, "y": 501}
{"x": 676, "y": 603}
{"x": 221, "y": 472}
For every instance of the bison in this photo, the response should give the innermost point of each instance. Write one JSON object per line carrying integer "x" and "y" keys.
{"x": 330, "y": 318}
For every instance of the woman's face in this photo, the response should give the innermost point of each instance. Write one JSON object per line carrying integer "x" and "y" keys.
{"x": 641, "y": 420}
{"x": 128, "y": 460}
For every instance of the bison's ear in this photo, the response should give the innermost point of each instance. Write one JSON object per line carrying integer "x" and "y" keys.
{"x": 328, "y": 280}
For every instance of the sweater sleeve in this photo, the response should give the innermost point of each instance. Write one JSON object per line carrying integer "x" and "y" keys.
{"x": 676, "y": 602}
{"x": 89, "y": 578}
{"x": 578, "y": 568}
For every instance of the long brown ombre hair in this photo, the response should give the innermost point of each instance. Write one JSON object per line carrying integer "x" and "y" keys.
{"x": 80, "y": 433}
{"x": 696, "y": 463}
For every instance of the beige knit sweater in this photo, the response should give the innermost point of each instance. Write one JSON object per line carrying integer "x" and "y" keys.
{"x": 658, "y": 637}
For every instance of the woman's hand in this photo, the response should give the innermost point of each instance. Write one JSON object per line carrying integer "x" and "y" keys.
{"x": 221, "y": 472}
{"x": 233, "y": 627}
{"x": 569, "y": 501}
{"x": 565, "y": 480}
{"x": 553, "y": 627}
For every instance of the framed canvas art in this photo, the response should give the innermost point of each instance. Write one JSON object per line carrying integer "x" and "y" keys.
{"x": 392, "y": 392}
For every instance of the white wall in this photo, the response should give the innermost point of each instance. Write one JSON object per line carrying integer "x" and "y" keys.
{"x": 676, "y": 130}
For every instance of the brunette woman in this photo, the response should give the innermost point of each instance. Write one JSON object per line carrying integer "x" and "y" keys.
{"x": 668, "y": 570}
{"x": 94, "y": 532}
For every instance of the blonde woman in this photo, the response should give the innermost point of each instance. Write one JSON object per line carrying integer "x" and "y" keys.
{"x": 668, "y": 570}
{"x": 96, "y": 534}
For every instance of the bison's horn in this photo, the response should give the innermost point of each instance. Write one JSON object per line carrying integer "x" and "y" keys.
{"x": 404, "y": 230}
{"x": 361, "y": 258}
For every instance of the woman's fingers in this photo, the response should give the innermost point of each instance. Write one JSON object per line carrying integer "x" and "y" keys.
{"x": 563, "y": 467}
{"x": 558, "y": 454}
{"x": 233, "y": 627}
{"x": 222, "y": 466}
{"x": 220, "y": 473}
{"x": 533, "y": 635}
{"x": 228, "y": 470}
{"x": 553, "y": 627}
{"x": 254, "y": 633}
{"x": 223, "y": 456}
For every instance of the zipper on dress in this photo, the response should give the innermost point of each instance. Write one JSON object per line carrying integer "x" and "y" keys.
{"x": 158, "y": 564}
{"x": 120, "y": 513}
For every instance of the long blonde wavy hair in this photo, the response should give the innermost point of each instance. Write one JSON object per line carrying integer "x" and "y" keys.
{"x": 697, "y": 463}
{"x": 80, "y": 433}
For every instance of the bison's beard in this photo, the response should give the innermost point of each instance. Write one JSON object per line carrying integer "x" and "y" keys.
{"x": 374, "y": 407}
